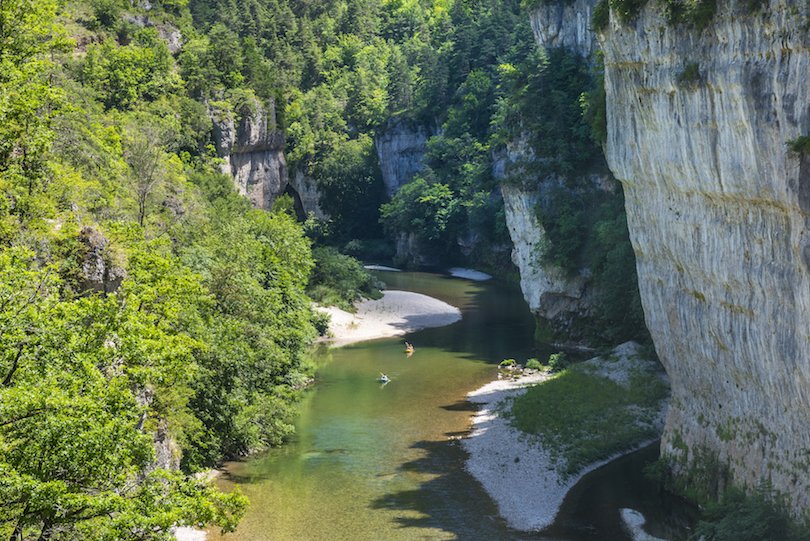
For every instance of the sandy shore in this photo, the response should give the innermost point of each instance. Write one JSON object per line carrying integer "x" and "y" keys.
{"x": 395, "y": 314}
{"x": 514, "y": 468}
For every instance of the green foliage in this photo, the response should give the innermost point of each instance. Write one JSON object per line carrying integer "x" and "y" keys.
{"x": 690, "y": 76}
{"x": 584, "y": 418}
{"x": 698, "y": 13}
{"x": 759, "y": 516}
{"x": 351, "y": 189}
{"x": 106, "y": 12}
{"x": 627, "y": 10}
{"x": 800, "y": 145}
{"x": 426, "y": 210}
{"x": 123, "y": 76}
{"x": 198, "y": 335}
{"x": 600, "y": 18}
{"x": 544, "y": 101}
{"x": 84, "y": 383}
{"x": 340, "y": 280}
{"x": 594, "y": 103}
{"x": 534, "y": 364}
{"x": 507, "y": 363}
{"x": 557, "y": 362}
{"x": 589, "y": 230}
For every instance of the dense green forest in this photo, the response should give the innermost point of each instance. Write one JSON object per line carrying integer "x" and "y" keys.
{"x": 152, "y": 322}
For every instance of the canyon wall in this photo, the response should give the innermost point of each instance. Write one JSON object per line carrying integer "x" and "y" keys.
{"x": 252, "y": 149}
{"x": 718, "y": 208}
{"x": 401, "y": 148}
{"x": 565, "y": 24}
{"x": 552, "y": 296}
{"x": 556, "y": 299}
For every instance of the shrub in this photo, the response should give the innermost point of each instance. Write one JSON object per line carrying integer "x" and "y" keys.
{"x": 690, "y": 76}
{"x": 534, "y": 364}
{"x": 627, "y": 10}
{"x": 754, "y": 517}
{"x": 698, "y": 13}
{"x": 320, "y": 320}
{"x": 800, "y": 145}
{"x": 558, "y": 362}
{"x": 507, "y": 363}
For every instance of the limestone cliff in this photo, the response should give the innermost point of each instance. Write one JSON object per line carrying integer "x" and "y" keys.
{"x": 551, "y": 295}
{"x": 253, "y": 150}
{"x": 565, "y": 24}
{"x": 401, "y": 148}
{"x": 718, "y": 208}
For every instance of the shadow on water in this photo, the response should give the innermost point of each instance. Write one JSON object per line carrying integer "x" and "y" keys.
{"x": 590, "y": 511}
{"x": 451, "y": 500}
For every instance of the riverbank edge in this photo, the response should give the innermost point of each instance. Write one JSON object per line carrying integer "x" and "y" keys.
{"x": 512, "y": 466}
{"x": 395, "y": 314}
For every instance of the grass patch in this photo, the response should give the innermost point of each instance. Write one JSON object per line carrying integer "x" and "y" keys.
{"x": 584, "y": 418}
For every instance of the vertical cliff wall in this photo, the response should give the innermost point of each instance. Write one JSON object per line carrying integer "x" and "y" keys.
{"x": 253, "y": 150}
{"x": 565, "y": 24}
{"x": 554, "y": 297}
{"x": 551, "y": 295}
{"x": 718, "y": 210}
{"x": 401, "y": 149}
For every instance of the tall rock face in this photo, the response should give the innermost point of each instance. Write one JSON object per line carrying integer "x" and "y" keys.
{"x": 719, "y": 214}
{"x": 552, "y": 296}
{"x": 253, "y": 150}
{"x": 308, "y": 195}
{"x": 565, "y": 24}
{"x": 401, "y": 148}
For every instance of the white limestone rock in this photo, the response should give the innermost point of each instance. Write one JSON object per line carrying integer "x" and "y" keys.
{"x": 718, "y": 210}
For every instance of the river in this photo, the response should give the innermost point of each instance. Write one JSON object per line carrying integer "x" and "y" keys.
{"x": 383, "y": 462}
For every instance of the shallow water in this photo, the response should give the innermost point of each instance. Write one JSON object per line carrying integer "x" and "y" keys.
{"x": 382, "y": 462}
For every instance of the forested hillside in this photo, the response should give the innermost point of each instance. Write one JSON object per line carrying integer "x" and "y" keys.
{"x": 153, "y": 323}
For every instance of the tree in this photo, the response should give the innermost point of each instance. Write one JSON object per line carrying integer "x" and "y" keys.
{"x": 84, "y": 385}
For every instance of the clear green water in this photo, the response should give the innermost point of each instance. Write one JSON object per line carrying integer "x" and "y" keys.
{"x": 373, "y": 462}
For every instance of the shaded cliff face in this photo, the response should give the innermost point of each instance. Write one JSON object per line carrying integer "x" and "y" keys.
{"x": 718, "y": 211}
{"x": 401, "y": 151}
{"x": 253, "y": 151}
{"x": 550, "y": 294}
{"x": 565, "y": 24}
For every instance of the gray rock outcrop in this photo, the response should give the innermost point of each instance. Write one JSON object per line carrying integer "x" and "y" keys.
{"x": 565, "y": 24}
{"x": 549, "y": 292}
{"x": 99, "y": 271}
{"x": 253, "y": 151}
{"x": 719, "y": 215}
{"x": 308, "y": 194}
{"x": 401, "y": 148}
